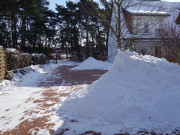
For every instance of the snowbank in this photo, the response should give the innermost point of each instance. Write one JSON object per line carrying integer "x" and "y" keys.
{"x": 30, "y": 76}
{"x": 91, "y": 63}
{"x": 37, "y": 55}
{"x": 11, "y": 50}
{"x": 137, "y": 92}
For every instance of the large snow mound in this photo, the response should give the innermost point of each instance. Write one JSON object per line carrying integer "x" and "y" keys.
{"x": 137, "y": 92}
{"x": 92, "y": 63}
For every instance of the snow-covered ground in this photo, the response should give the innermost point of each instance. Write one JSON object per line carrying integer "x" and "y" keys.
{"x": 30, "y": 76}
{"x": 18, "y": 96}
{"x": 14, "y": 94}
{"x": 137, "y": 93}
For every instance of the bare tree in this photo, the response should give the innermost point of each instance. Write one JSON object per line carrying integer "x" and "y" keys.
{"x": 170, "y": 35}
{"x": 134, "y": 18}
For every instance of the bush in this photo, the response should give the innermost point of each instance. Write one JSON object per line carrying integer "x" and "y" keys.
{"x": 13, "y": 58}
{"x": 38, "y": 59}
{"x": 25, "y": 60}
{"x": 16, "y": 60}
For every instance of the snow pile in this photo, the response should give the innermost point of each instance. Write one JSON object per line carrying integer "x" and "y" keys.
{"x": 7, "y": 85}
{"x": 37, "y": 55}
{"x": 137, "y": 92}
{"x": 91, "y": 63}
{"x": 22, "y": 76}
{"x": 11, "y": 50}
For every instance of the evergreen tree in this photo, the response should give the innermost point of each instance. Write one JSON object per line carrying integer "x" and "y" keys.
{"x": 26, "y": 24}
{"x": 70, "y": 17}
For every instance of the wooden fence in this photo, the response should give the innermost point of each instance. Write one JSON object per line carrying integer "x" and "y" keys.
{"x": 3, "y": 64}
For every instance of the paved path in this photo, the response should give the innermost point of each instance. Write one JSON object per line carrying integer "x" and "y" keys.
{"x": 50, "y": 95}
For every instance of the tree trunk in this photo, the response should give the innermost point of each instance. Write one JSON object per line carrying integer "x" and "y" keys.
{"x": 87, "y": 39}
{"x": 13, "y": 27}
{"x": 23, "y": 31}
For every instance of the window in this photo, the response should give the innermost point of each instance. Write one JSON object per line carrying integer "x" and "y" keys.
{"x": 157, "y": 32}
{"x": 137, "y": 26}
{"x": 146, "y": 27}
{"x": 178, "y": 21}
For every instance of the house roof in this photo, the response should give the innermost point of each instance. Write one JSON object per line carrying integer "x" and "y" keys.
{"x": 153, "y": 8}
{"x": 147, "y": 12}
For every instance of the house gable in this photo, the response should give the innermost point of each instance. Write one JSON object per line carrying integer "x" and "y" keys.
{"x": 178, "y": 19}
{"x": 140, "y": 21}
{"x": 128, "y": 20}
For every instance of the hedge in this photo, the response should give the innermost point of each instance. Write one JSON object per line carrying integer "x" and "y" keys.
{"x": 38, "y": 58}
{"x": 16, "y": 59}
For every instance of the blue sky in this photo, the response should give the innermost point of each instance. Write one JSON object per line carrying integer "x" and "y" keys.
{"x": 63, "y": 2}
{"x": 59, "y": 2}
{"x": 53, "y": 2}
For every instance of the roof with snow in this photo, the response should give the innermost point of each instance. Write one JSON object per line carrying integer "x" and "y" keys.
{"x": 147, "y": 12}
{"x": 153, "y": 8}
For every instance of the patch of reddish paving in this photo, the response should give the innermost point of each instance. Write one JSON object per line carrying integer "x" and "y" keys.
{"x": 62, "y": 76}
{"x": 3, "y": 117}
{"x": 69, "y": 78}
{"x": 7, "y": 109}
{"x": 25, "y": 127}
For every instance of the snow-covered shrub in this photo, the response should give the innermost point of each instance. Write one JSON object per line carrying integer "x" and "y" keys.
{"x": 13, "y": 58}
{"x": 25, "y": 60}
{"x": 9, "y": 75}
{"x": 16, "y": 59}
{"x": 38, "y": 58}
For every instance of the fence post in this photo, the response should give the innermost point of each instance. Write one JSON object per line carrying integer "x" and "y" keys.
{"x": 56, "y": 56}
{"x": 3, "y": 64}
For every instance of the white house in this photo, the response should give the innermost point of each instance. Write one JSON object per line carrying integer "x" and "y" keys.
{"x": 141, "y": 23}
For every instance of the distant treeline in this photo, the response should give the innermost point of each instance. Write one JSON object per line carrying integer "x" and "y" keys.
{"x": 30, "y": 26}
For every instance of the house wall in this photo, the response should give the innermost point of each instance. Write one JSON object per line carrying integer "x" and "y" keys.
{"x": 112, "y": 48}
{"x": 112, "y": 44}
{"x": 153, "y": 23}
{"x": 148, "y": 47}
{"x": 129, "y": 21}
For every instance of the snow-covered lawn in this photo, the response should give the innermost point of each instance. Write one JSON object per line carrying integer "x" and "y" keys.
{"x": 138, "y": 93}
